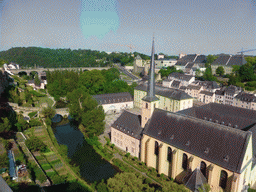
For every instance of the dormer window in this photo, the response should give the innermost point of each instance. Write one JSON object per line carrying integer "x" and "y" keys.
{"x": 207, "y": 150}
{"x": 216, "y": 121}
{"x": 235, "y": 126}
{"x": 132, "y": 132}
{"x": 210, "y": 119}
{"x": 223, "y": 123}
{"x": 172, "y": 137}
{"x": 159, "y": 133}
{"x": 205, "y": 118}
{"x": 188, "y": 143}
{"x": 229, "y": 124}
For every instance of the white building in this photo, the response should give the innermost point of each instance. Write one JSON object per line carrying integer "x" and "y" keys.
{"x": 114, "y": 102}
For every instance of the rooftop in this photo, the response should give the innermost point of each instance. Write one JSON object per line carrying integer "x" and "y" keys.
{"x": 219, "y": 144}
{"x": 166, "y": 92}
{"x": 129, "y": 123}
{"x": 113, "y": 98}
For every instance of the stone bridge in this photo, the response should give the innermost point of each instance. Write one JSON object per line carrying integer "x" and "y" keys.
{"x": 62, "y": 111}
{"x": 40, "y": 70}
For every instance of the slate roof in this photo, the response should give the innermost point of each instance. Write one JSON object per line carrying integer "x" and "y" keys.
{"x": 207, "y": 93}
{"x": 190, "y": 65}
{"x": 196, "y": 180}
{"x": 189, "y": 58}
{"x": 176, "y": 84}
{"x": 219, "y": 92}
{"x": 129, "y": 124}
{"x": 237, "y": 60}
{"x": 232, "y": 89}
{"x": 221, "y": 145}
{"x": 166, "y": 92}
{"x": 242, "y": 96}
{"x": 228, "y": 114}
{"x": 113, "y": 98}
{"x": 181, "y": 63}
{"x": 209, "y": 84}
{"x": 221, "y": 60}
{"x": 200, "y": 59}
{"x": 196, "y": 87}
{"x": 181, "y": 76}
{"x": 4, "y": 187}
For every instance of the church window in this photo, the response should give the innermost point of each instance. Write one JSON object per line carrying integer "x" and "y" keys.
{"x": 203, "y": 168}
{"x": 185, "y": 161}
{"x": 223, "y": 179}
{"x": 146, "y": 105}
{"x": 156, "y": 148}
{"x": 169, "y": 154}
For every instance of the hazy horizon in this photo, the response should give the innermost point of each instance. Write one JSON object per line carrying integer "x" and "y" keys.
{"x": 202, "y": 26}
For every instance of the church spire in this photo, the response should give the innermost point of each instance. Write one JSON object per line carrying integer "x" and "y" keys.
{"x": 151, "y": 82}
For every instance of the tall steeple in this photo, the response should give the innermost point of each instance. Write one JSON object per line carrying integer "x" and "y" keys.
{"x": 151, "y": 82}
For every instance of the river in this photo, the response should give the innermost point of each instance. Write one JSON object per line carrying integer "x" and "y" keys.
{"x": 92, "y": 167}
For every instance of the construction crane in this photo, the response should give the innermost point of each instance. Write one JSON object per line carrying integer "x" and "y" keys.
{"x": 242, "y": 52}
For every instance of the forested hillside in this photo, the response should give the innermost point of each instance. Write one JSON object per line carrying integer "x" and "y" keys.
{"x": 54, "y": 58}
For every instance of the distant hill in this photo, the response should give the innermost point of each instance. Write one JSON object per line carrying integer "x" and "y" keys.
{"x": 54, "y": 58}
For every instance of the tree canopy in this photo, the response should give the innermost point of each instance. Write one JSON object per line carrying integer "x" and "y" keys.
{"x": 220, "y": 71}
{"x": 86, "y": 111}
{"x": 55, "y": 58}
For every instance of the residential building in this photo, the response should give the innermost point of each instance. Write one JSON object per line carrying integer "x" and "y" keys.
{"x": 206, "y": 97}
{"x": 229, "y": 94}
{"x": 126, "y": 133}
{"x": 227, "y": 61}
{"x": 245, "y": 100}
{"x": 193, "y": 90}
{"x": 114, "y": 102}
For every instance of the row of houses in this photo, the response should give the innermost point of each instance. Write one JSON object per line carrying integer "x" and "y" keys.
{"x": 210, "y": 91}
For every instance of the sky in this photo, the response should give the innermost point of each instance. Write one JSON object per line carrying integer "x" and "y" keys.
{"x": 179, "y": 26}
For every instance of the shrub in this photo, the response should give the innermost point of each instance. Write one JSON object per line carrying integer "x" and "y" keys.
{"x": 127, "y": 155}
{"x": 35, "y": 144}
{"x": 35, "y": 122}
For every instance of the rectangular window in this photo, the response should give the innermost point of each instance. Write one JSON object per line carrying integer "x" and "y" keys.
{"x": 133, "y": 150}
{"x": 121, "y": 143}
{"x": 114, "y": 139}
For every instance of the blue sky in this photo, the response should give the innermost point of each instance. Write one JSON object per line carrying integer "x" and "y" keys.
{"x": 180, "y": 26}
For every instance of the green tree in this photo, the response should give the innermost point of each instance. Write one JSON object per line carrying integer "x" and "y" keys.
{"x": 246, "y": 73}
{"x": 210, "y": 58}
{"x": 35, "y": 144}
{"x": 85, "y": 110}
{"x": 37, "y": 80}
{"x": 6, "y": 125}
{"x": 48, "y": 112}
{"x": 22, "y": 124}
{"x": 220, "y": 71}
{"x": 127, "y": 182}
{"x": 208, "y": 74}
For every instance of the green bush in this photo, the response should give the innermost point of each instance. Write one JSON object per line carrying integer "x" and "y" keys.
{"x": 50, "y": 174}
{"x": 127, "y": 155}
{"x": 35, "y": 144}
{"x": 35, "y": 122}
{"x": 37, "y": 94}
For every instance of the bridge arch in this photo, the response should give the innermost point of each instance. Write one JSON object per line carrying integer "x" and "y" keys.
{"x": 22, "y": 73}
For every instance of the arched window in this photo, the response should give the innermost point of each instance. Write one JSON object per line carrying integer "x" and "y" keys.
{"x": 203, "y": 168}
{"x": 223, "y": 179}
{"x": 146, "y": 105}
{"x": 156, "y": 148}
{"x": 169, "y": 154}
{"x": 185, "y": 161}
